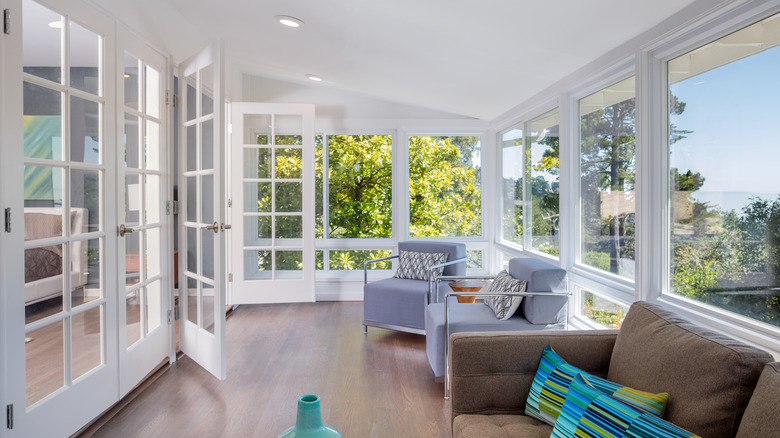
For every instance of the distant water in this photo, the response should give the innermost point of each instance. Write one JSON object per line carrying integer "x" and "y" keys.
{"x": 727, "y": 201}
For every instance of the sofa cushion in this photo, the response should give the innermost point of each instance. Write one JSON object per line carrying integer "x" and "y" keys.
{"x": 589, "y": 412}
{"x": 498, "y": 426}
{"x": 551, "y": 384}
{"x": 415, "y": 265}
{"x": 505, "y": 306}
{"x": 709, "y": 376}
{"x": 761, "y": 417}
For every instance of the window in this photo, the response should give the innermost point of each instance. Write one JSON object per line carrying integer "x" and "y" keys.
{"x": 724, "y": 224}
{"x": 354, "y": 176}
{"x": 607, "y": 178}
{"x": 512, "y": 185}
{"x": 601, "y": 311}
{"x": 542, "y": 172}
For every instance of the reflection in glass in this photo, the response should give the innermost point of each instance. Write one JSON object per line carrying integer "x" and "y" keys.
{"x": 512, "y": 185}
{"x": 153, "y": 251}
{"x": 154, "y": 306}
{"x": 289, "y": 197}
{"x": 132, "y": 200}
{"x": 85, "y": 201}
{"x": 132, "y": 142}
{"x": 132, "y": 258}
{"x": 208, "y": 307}
{"x": 42, "y": 122}
{"x": 207, "y": 253}
{"x": 542, "y": 175}
{"x": 86, "y": 335}
{"x": 131, "y": 81}
{"x": 257, "y": 264}
{"x": 192, "y": 97}
{"x": 44, "y": 361}
{"x": 257, "y": 197}
{"x": 84, "y": 130}
{"x": 257, "y": 230}
{"x": 41, "y": 42}
{"x": 192, "y": 148}
{"x": 207, "y": 199}
{"x": 192, "y": 193}
{"x": 43, "y": 268}
{"x": 84, "y": 59}
{"x": 152, "y": 145}
{"x": 152, "y": 92}
{"x": 153, "y": 202}
{"x": 601, "y": 311}
{"x": 257, "y": 163}
{"x": 206, "y": 84}
{"x": 43, "y": 202}
{"x": 257, "y": 129}
{"x": 192, "y": 250}
{"x": 192, "y": 300}
{"x": 86, "y": 260}
{"x": 133, "y": 317}
{"x": 207, "y": 145}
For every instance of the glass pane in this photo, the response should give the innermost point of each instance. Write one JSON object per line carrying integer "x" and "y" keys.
{"x": 207, "y": 149}
{"x": 152, "y": 92}
{"x": 289, "y": 260}
{"x": 257, "y": 197}
{"x": 208, "y": 307}
{"x": 207, "y": 199}
{"x": 257, "y": 129}
{"x": 152, "y": 145}
{"x": 84, "y": 130}
{"x": 153, "y": 252}
{"x": 445, "y": 194}
{"x": 257, "y": 230}
{"x": 257, "y": 264}
{"x": 154, "y": 306}
{"x": 319, "y": 191}
{"x": 192, "y": 148}
{"x": 360, "y": 174}
{"x": 348, "y": 260}
{"x": 132, "y": 200}
{"x": 289, "y": 227}
{"x": 42, "y": 122}
{"x": 207, "y": 253}
{"x": 319, "y": 260}
{"x": 288, "y": 129}
{"x": 257, "y": 163}
{"x": 43, "y": 202}
{"x": 86, "y": 259}
{"x": 192, "y": 250}
{"x": 601, "y": 311}
{"x": 192, "y": 193}
{"x": 132, "y": 142}
{"x": 85, "y": 199}
{"x": 290, "y": 139}
{"x": 289, "y": 197}
{"x": 131, "y": 81}
{"x": 43, "y": 277}
{"x": 42, "y": 32}
{"x": 133, "y": 314}
{"x": 723, "y": 178}
{"x": 132, "y": 258}
{"x": 512, "y": 185}
{"x": 192, "y": 97}
{"x": 475, "y": 259}
{"x": 84, "y": 59}
{"x": 192, "y": 300}
{"x": 289, "y": 163}
{"x": 206, "y": 90}
{"x": 153, "y": 201}
{"x": 87, "y": 340}
{"x": 44, "y": 361}
{"x": 542, "y": 171}
{"x": 608, "y": 178}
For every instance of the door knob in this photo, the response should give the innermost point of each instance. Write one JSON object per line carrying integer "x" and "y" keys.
{"x": 125, "y": 230}
{"x": 214, "y": 227}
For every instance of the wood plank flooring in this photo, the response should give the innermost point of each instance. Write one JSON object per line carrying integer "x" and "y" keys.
{"x": 376, "y": 385}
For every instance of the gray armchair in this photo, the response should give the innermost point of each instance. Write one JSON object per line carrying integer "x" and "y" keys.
{"x": 400, "y": 303}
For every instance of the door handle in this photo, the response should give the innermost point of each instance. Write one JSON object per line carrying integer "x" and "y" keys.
{"x": 214, "y": 227}
{"x": 226, "y": 227}
{"x": 125, "y": 230}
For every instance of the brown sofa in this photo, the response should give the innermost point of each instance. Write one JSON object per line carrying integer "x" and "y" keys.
{"x": 712, "y": 380}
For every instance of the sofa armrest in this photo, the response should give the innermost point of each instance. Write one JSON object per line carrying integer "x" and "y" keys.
{"x": 491, "y": 372}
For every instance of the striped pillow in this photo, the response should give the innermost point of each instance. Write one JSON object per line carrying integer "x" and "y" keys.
{"x": 551, "y": 384}
{"x": 588, "y": 412}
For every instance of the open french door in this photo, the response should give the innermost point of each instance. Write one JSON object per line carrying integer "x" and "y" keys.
{"x": 202, "y": 278}
{"x": 272, "y": 208}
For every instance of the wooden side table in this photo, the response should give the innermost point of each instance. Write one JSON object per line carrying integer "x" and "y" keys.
{"x": 466, "y": 286}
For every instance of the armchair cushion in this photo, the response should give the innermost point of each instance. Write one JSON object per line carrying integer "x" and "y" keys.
{"x": 505, "y": 306}
{"x": 413, "y": 265}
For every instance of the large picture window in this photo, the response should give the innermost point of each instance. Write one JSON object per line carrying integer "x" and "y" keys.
{"x": 607, "y": 178}
{"x": 724, "y": 107}
{"x": 542, "y": 174}
{"x": 445, "y": 186}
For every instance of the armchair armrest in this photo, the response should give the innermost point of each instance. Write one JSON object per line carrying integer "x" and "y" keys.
{"x": 432, "y": 278}
{"x": 365, "y": 265}
{"x": 492, "y": 371}
{"x": 484, "y": 294}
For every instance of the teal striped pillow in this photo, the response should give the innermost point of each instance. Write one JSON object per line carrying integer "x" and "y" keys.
{"x": 551, "y": 384}
{"x": 589, "y": 413}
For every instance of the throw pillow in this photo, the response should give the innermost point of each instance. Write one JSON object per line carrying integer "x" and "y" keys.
{"x": 588, "y": 412}
{"x": 413, "y": 265}
{"x": 551, "y": 384}
{"x": 506, "y": 306}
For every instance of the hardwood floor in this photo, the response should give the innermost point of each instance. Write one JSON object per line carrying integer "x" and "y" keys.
{"x": 376, "y": 385}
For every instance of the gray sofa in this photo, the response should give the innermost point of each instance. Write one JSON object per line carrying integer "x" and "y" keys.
{"x": 535, "y": 313}
{"x": 712, "y": 380}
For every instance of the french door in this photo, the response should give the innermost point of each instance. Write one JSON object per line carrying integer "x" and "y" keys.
{"x": 272, "y": 208}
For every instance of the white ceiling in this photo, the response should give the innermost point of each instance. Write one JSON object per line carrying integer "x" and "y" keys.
{"x": 472, "y": 58}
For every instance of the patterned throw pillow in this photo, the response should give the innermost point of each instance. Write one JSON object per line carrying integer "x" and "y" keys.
{"x": 588, "y": 412}
{"x": 414, "y": 265}
{"x": 551, "y": 384}
{"x": 505, "y": 307}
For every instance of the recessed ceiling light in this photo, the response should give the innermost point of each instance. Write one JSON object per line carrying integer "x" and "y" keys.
{"x": 56, "y": 24}
{"x": 289, "y": 21}
{"x": 314, "y": 78}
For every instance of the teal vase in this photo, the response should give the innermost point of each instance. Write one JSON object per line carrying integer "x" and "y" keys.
{"x": 309, "y": 421}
